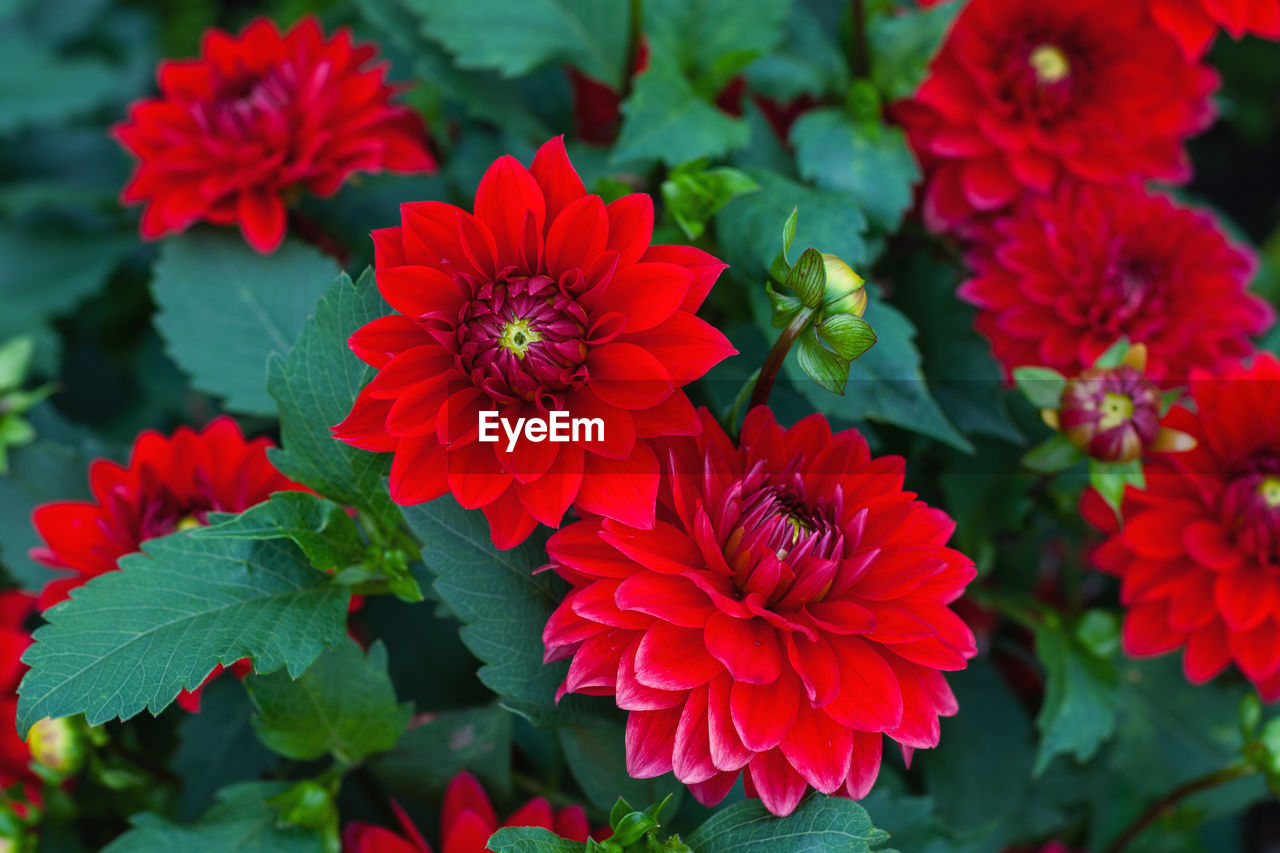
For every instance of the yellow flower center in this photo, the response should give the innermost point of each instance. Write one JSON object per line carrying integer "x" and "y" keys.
{"x": 1269, "y": 490}
{"x": 187, "y": 522}
{"x": 50, "y": 742}
{"x": 1116, "y": 409}
{"x": 1050, "y": 64}
{"x": 517, "y": 336}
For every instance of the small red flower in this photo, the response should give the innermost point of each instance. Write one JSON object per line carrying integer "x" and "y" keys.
{"x": 257, "y": 118}
{"x": 15, "y": 607}
{"x": 1194, "y": 23}
{"x": 1065, "y": 277}
{"x": 547, "y": 299}
{"x": 170, "y": 483}
{"x": 1198, "y": 555}
{"x": 1026, "y": 95}
{"x": 467, "y": 822}
{"x": 789, "y": 607}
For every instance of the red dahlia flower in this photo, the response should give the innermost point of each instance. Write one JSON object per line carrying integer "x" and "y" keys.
{"x": 1198, "y": 556}
{"x": 789, "y": 607}
{"x": 15, "y": 607}
{"x": 1065, "y": 277}
{"x": 239, "y": 131}
{"x": 1194, "y": 23}
{"x": 547, "y": 299}
{"x": 1026, "y": 95}
{"x": 466, "y": 824}
{"x": 169, "y": 484}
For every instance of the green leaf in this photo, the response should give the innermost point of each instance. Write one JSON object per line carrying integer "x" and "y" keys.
{"x": 223, "y": 308}
{"x": 38, "y": 87}
{"x": 322, "y": 529}
{"x": 516, "y": 36}
{"x": 665, "y": 119}
{"x": 809, "y": 61}
{"x": 316, "y": 387}
{"x": 1042, "y": 386}
{"x": 343, "y": 704}
{"x": 828, "y": 369}
{"x": 850, "y": 336}
{"x": 596, "y": 753}
{"x": 1080, "y": 699}
{"x": 1110, "y": 480}
{"x": 15, "y": 361}
{"x": 808, "y": 278}
{"x": 1052, "y": 455}
{"x": 903, "y": 44}
{"x": 693, "y": 197}
{"x": 531, "y": 839}
{"x": 428, "y": 756}
{"x": 818, "y": 825}
{"x": 871, "y": 162}
{"x": 132, "y": 639}
{"x": 711, "y": 40}
{"x": 1114, "y": 355}
{"x": 240, "y": 821}
{"x": 503, "y": 606}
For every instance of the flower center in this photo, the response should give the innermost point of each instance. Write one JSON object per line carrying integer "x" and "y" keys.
{"x": 1251, "y": 508}
{"x": 1050, "y": 64}
{"x": 517, "y": 336}
{"x": 1115, "y": 409}
{"x": 1269, "y": 491}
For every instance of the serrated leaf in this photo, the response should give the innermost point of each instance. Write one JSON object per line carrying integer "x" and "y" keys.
{"x": 808, "y": 278}
{"x": 819, "y": 363}
{"x": 223, "y": 308}
{"x": 134, "y": 638}
{"x": 1080, "y": 700}
{"x": 531, "y": 839}
{"x": 818, "y": 825}
{"x": 316, "y": 387}
{"x": 692, "y": 198}
{"x": 1054, "y": 454}
{"x": 514, "y": 37}
{"x": 871, "y": 162}
{"x": 343, "y": 704}
{"x": 428, "y": 756}
{"x": 322, "y": 529}
{"x": 711, "y": 40}
{"x": 240, "y": 821}
{"x": 1042, "y": 386}
{"x": 848, "y": 335}
{"x": 809, "y": 61}
{"x": 665, "y": 119}
{"x": 903, "y": 44}
{"x": 596, "y": 754}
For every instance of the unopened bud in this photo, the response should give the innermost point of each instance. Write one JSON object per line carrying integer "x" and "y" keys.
{"x": 846, "y": 292}
{"x": 57, "y": 744}
{"x": 1112, "y": 414}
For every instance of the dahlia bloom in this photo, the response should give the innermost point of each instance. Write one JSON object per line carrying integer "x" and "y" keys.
{"x": 467, "y": 822}
{"x": 1194, "y": 23}
{"x": 546, "y": 299}
{"x": 15, "y": 607}
{"x": 1024, "y": 96}
{"x": 1065, "y": 277}
{"x": 1199, "y": 550}
{"x": 170, "y": 484}
{"x": 788, "y": 607}
{"x": 257, "y": 118}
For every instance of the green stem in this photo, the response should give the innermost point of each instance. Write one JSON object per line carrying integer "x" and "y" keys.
{"x": 777, "y": 355}
{"x": 633, "y": 46}
{"x": 861, "y": 52}
{"x": 1162, "y": 805}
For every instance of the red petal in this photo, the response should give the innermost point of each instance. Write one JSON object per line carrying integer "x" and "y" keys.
{"x": 1210, "y": 546}
{"x": 864, "y": 766}
{"x": 577, "y": 236}
{"x": 262, "y": 220}
{"x": 672, "y": 599}
{"x": 420, "y": 291}
{"x": 625, "y": 490}
{"x": 819, "y": 748}
{"x": 509, "y": 523}
{"x": 631, "y": 695}
{"x": 630, "y": 227}
{"x": 748, "y": 648}
{"x": 418, "y": 471}
{"x": 706, "y": 268}
{"x": 548, "y": 497}
{"x": 646, "y": 294}
{"x": 650, "y": 741}
{"x": 466, "y": 794}
{"x": 763, "y": 713}
{"x": 870, "y": 698}
{"x": 687, "y": 346}
{"x": 672, "y": 658}
{"x": 507, "y": 192}
{"x": 776, "y": 782}
{"x": 691, "y": 759}
{"x": 475, "y": 477}
{"x": 627, "y": 376}
{"x": 536, "y": 812}
{"x": 727, "y": 750}
{"x": 556, "y": 176}
{"x": 376, "y": 342}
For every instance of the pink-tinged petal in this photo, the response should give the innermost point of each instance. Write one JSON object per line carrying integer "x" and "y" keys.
{"x": 578, "y": 234}
{"x": 817, "y": 665}
{"x": 630, "y": 227}
{"x": 645, "y": 294}
{"x": 925, "y": 697}
{"x": 262, "y": 220}
{"x": 672, "y": 658}
{"x": 631, "y": 695}
{"x": 650, "y": 741}
{"x": 776, "y": 782}
{"x": 509, "y": 522}
{"x": 556, "y": 176}
{"x": 762, "y": 714}
{"x": 565, "y": 631}
{"x": 748, "y": 648}
{"x": 594, "y": 669}
{"x": 466, "y": 794}
{"x": 579, "y": 548}
{"x": 819, "y": 748}
{"x": 706, "y": 268}
{"x": 418, "y": 471}
{"x": 691, "y": 759}
{"x": 687, "y": 346}
{"x": 626, "y": 376}
{"x": 864, "y": 765}
{"x": 507, "y": 192}
{"x": 378, "y": 341}
{"x": 988, "y": 184}
{"x": 712, "y": 791}
{"x": 625, "y": 490}
{"x": 672, "y": 599}
{"x": 871, "y": 698}
{"x": 549, "y": 497}
{"x": 420, "y": 291}
{"x": 727, "y": 750}
{"x": 595, "y": 602}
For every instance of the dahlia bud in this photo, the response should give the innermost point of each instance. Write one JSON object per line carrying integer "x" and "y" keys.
{"x": 1113, "y": 415}
{"x": 57, "y": 744}
{"x": 846, "y": 292}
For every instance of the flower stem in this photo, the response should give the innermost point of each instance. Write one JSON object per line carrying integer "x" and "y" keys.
{"x": 1160, "y": 806}
{"x": 777, "y": 355}
{"x": 861, "y": 54}
{"x": 633, "y": 47}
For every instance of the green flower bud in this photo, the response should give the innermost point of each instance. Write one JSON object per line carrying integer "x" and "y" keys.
{"x": 846, "y": 292}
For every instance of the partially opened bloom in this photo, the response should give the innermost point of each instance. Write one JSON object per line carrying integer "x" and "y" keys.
{"x": 1194, "y": 23}
{"x": 546, "y": 299}
{"x": 1065, "y": 277}
{"x": 788, "y": 610}
{"x": 1025, "y": 96}
{"x": 171, "y": 483}
{"x": 258, "y": 118}
{"x": 1198, "y": 555}
{"x": 467, "y": 822}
